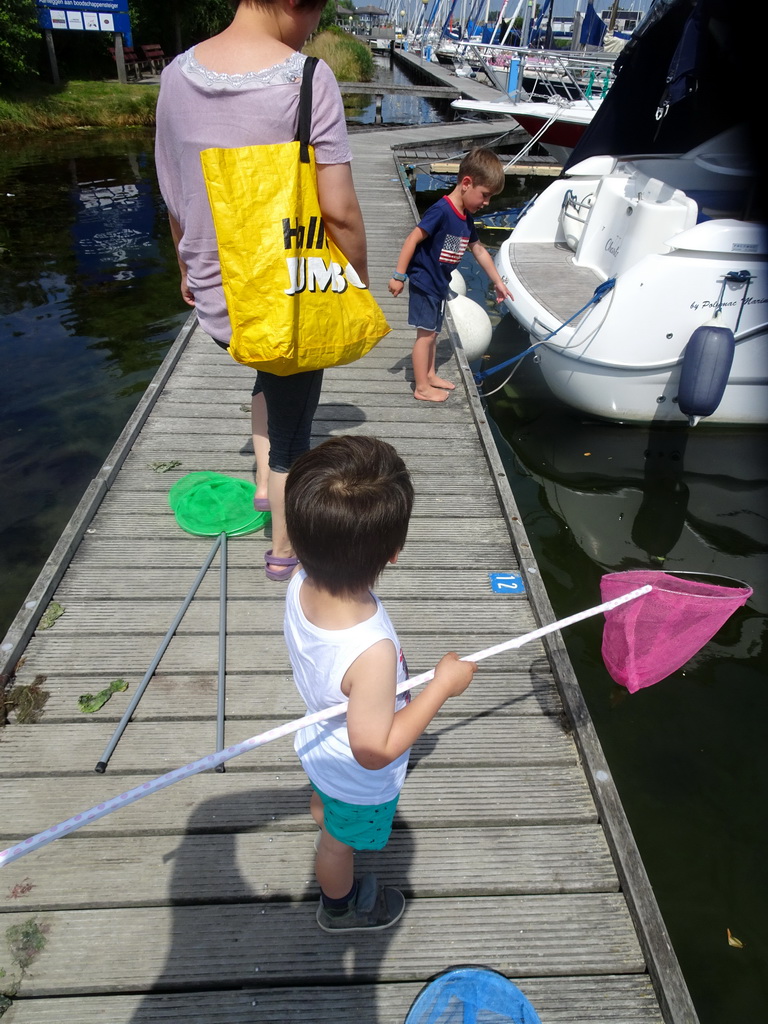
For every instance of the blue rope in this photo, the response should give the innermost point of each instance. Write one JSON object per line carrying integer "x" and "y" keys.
{"x": 600, "y": 291}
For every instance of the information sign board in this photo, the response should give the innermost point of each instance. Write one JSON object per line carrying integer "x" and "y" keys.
{"x": 86, "y": 16}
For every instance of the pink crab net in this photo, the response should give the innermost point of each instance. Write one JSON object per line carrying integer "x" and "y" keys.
{"x": 648, "y": 639}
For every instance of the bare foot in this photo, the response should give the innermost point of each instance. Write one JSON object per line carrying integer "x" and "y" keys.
{"x": 430, "y": 394}
{"x": 441, "y": 382}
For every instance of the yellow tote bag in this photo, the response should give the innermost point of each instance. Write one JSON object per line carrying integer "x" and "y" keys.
{"x": 295, "y": 302}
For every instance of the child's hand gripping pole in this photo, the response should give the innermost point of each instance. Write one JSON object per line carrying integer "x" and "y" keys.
{"x": 214, "y": 760}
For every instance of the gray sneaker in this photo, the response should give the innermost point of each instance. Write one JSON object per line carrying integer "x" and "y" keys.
{"x": 374, "y": 907}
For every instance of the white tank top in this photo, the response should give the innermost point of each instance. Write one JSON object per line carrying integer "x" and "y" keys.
{"x": 320, "y": 658}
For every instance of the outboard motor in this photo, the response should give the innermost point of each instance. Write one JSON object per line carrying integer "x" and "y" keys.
{"x": 706, "y": 366}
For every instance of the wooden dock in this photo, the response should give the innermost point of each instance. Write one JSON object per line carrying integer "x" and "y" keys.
{"x": 197, "y": 904}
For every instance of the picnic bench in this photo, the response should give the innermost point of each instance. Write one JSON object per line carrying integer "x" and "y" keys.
{"x": 154, "y": 57}
{"x": 134, "y": 65}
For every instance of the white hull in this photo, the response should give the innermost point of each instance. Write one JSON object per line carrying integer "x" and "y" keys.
{"x": 556, "y": 126}
{"x": 640, "y": 225}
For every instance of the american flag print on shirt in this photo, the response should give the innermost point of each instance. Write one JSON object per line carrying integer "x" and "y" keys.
{"x": 453, "y": 249}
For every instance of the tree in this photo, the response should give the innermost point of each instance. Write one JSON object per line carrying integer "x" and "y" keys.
{"x": 20, "y": 36}
{"x": 178, "y": 24}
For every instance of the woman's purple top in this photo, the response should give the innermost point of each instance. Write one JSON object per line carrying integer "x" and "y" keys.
{"x": 200, "y": 109}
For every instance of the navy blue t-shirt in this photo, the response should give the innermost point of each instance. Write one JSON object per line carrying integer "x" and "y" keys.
{"x": 449, "y": 233}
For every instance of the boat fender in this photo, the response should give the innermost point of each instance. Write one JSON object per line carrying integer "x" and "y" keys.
{"x": 706, "y": 365}
{"x": 457, "y": 284}
{"x": 473, "y": 325}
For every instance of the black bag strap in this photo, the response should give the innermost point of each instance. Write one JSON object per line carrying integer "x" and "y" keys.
{"x": 305, "y": 109}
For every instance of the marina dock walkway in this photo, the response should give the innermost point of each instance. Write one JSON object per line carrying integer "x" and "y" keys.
{"x": 197, "y": 904}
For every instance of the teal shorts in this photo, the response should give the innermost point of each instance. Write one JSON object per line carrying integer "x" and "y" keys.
{"x": 361, "y": 826}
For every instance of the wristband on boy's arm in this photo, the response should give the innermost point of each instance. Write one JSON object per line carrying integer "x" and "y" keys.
{"x": 400, "y": 277}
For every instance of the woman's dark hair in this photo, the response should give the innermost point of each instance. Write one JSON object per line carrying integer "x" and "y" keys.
{"x": 347, "y": 507}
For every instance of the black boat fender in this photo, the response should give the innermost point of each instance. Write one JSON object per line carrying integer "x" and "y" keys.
{"x": 706, "y": 367}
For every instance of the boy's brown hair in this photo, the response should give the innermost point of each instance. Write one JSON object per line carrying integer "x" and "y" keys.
{"x": 347, "y": 507}
{"x": 483, "y": 166}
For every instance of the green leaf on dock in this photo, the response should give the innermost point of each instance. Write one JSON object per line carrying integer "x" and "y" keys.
{"x": 164, "y": 467}
{"x": 88, "y": 703}
{"x": 52, "y": 612}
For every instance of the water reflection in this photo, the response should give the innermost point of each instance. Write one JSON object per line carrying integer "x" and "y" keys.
{"x": 89, "y": 304}
{"x": 395, "y": 109}
{"x": 685, "y": 753}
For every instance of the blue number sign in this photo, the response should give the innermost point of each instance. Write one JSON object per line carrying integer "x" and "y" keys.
{"x": 507, "y": 583}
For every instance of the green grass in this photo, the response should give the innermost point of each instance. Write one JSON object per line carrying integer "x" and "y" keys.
{"x": 78, "y": 105}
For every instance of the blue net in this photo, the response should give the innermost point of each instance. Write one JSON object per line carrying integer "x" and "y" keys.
{"x": 471, "y": 995}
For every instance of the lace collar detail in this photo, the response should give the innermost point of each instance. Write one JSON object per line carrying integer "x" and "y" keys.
{"x": 290, "y": 70}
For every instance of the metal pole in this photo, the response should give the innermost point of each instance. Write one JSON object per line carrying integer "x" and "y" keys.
{"x": 101, "y": 766}
{"x": 222, "y": 647}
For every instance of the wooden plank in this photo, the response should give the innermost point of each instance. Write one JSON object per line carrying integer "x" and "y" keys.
{"x": 228, "y": 944}
{"x": 91, "y": 616}
{"x": 252, "y": 801}
{"x": 571, "y": 1000}
{"x": 522, "y": 690}
{"x": 372, "y": 89}
{"x": 116, "y": 656}
{"x": 156, "y": 747}
{"x": 92, "y": 582}
{"x": 242, "y": 867}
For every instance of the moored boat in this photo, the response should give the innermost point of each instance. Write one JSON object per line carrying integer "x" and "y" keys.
{"x": 641, "y": 279}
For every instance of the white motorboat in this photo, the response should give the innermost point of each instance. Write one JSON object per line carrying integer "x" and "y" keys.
{"x": 678, "y": 327}
{"x": 642, "y": 280}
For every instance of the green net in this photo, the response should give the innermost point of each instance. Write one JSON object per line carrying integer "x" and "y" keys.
{"x": 207, "y": 504}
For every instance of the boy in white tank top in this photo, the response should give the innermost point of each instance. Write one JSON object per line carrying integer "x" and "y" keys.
{"x": 348, "y": 503}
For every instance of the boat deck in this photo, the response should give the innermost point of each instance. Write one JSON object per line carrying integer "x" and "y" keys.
{"x": 197, "y": 903}
{"x": 550, "y": 276}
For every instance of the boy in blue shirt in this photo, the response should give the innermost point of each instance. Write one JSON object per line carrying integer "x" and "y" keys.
{"x": 433, "y": 251}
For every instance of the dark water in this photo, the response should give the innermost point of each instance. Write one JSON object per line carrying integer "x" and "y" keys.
{"x": 89, "y": 304}
{"x": 88, "y": 307}
{"x": 687, "y": 754}
{"x": 395, "y": 109}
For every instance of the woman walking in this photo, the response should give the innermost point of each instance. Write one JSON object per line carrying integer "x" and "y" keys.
{"x": 241, "y": 88}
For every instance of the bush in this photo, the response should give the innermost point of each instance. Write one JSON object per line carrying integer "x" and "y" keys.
{"x": 351, "y": 60}
{"x": 20, "y": 39}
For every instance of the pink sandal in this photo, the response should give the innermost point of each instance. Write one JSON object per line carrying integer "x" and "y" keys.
{"x": 279, "y": 575}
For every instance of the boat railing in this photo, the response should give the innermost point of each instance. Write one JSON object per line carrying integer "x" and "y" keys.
{"x": 555, "y": 73}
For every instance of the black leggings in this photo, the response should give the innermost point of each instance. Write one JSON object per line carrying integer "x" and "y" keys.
{"x": 291, "y": 405}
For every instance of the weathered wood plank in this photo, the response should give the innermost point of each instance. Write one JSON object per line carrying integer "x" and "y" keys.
{"x": 525, "y": 690}
{"x": 247, "y": 867}
{"x": 156, "y": 747}
{"x": 228, "y": 944}
{"x": 625, "y": 999}
{"x": 118, "y": 655}
{"x": 183, "y": 550}
{"x": 245, "y": 615}
{"x": 254, "y": 801}
{"x": 409, "y": 589}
